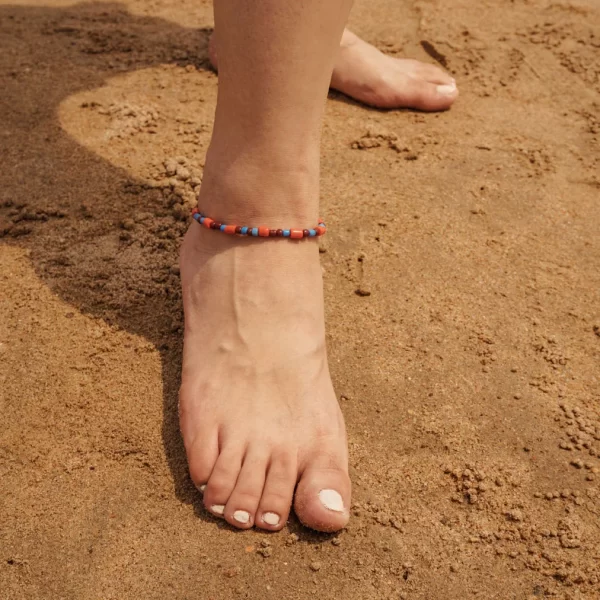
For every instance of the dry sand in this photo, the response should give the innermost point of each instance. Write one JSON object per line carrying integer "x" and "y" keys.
{"x": 462, "y": 271}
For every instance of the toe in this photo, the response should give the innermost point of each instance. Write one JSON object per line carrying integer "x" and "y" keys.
{"x": 202, "y": 449}
{"x": 434, "y": 74}
{"x": 223, "y": 479}
{"x": 323, "y": 494}
{"x": 423, "y": 95}
{"x": 277, "y": 495}
{"x": 241, "y": 507}
{"x": 212, "y": 51}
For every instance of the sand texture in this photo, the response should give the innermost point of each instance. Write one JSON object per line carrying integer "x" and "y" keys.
{"x": 462, "y": 278}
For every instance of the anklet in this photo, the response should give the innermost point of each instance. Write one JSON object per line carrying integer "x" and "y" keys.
{"x": 262, "y": 231}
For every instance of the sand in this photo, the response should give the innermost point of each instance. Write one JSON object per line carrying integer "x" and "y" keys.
{"x": 462, "y": 271}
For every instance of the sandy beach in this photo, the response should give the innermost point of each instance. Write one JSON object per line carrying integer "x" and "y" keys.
{"x": 462, "y": 278}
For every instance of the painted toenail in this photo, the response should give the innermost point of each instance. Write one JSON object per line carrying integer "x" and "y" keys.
{"x": 271, "y": 518}
{"x": 241, "y": 516}
{"x": 446, "y": 90}
{"x": 331, "y": 500}
{"x": 202, "y": 488}
{"x": 218, "y": 509}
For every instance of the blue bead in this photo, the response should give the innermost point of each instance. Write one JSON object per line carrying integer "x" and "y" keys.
{"x": 200, "y": 219}
{"x": 255, "y": 231}
{"x": 244, "y": 230}
{"x": 222, "y": 228}
{"x": 312, "y": 232}
{"x": 286, "y": 233}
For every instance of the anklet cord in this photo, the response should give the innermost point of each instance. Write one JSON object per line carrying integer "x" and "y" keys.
{"x": 261, "y": 231}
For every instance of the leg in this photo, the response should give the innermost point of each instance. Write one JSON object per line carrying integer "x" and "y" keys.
{"x": 258, "y": 412}
{"x": 364, "y": 73}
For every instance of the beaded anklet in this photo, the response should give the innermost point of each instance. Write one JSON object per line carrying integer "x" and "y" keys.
{"x": 262, "y": 231}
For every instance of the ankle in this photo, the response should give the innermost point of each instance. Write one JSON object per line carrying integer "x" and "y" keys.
{"x": 256, "y": 190}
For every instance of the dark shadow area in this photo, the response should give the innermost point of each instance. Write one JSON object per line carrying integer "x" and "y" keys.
{"x": 67, "y": 205}
{"x": 102, "y": 240}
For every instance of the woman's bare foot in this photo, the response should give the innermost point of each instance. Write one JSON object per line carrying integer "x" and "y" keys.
{"x": 258, "y": 412}
{"x": 364, "y": 73}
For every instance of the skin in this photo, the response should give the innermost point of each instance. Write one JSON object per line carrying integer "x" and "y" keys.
{"x": 364, "y": 73}
{"x": 259, "y": 417}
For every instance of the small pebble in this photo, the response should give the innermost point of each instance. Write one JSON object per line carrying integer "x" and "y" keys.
{"x": 315, "y": 566}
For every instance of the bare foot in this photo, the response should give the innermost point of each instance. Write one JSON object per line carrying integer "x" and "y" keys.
{"x": 364, "y": 73}
{"x": 258, "y": 412}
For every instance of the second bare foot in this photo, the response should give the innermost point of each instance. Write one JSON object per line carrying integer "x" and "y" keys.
{"x": 368, "y": 75}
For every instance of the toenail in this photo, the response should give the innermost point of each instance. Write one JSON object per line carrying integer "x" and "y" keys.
{"x": 241, "y": 516}
{"x": 202, "y": 488}
{"x": 331, "y": 500}
{"x": 218, "y": 509}
{"x": 271, "y": 518}
{"x": 446, "y": 90}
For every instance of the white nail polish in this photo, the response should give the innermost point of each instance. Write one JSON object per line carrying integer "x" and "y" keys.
{"x": 446, "y": 90}
{"x": 202, "y": 488}
{"x": 218, "y": 509}
{"x": 241, "y": 516}
{"x": 271, "y": 518}
{"x": 331, "y": 500}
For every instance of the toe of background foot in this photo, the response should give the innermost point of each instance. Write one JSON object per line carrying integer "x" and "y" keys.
{"x": 417, "y": 92}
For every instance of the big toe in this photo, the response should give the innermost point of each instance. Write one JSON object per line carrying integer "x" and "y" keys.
{"x": 322, "y": 500}
{"x": 417, "y": 92}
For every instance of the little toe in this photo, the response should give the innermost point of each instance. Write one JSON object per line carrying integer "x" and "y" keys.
{"x": 241, "y": 507}
{"x": 323, "y": 495}
{"x": 276, "y": 499}
{"x": 202, "y": 455}
{"x": 212, "y": 51}
{"x": 223, "y": 479}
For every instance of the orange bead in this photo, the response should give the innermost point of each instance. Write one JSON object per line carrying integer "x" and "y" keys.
{"x": 229, "y": 229}
{"x": 296, "y": 234}
{"x": 263, "y": 231}
{"x": 208, "y": 222}
{"x": 320, "y": 230}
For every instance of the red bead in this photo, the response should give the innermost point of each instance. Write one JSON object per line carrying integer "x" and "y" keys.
{"x": 272, "y": 232}
{"x": 238, "y": 229}
{"x": 280, "y": 233}
{"x": 320, "y": 230}
{"x": 296, "y": 234}
{"x": 305, "y": 232}
{"x": 195, "y": 211}
{"x": 263, "y": 231}
{"x": 208, "y": 223}
{"x": 230, "y": 229}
